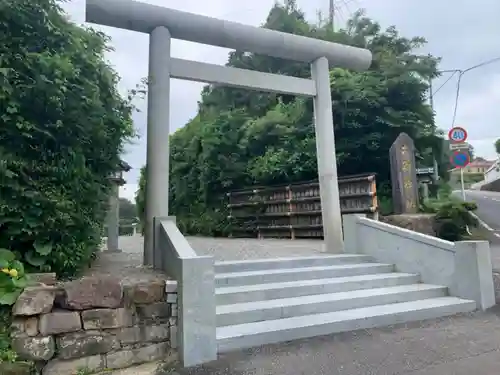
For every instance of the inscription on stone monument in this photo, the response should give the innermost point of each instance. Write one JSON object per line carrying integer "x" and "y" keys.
{"x": 404, "y": 175}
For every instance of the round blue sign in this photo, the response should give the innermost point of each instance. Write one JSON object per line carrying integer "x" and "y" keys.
{"x": 460, "y": 159}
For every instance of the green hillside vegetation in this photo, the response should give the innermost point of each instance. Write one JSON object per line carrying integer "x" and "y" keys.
{"x": 241, "y": 138}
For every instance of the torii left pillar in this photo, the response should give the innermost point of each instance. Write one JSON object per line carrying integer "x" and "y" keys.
{"x": 158, "y": 131}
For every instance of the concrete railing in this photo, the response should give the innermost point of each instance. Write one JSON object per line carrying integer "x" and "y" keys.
{"x": 464, "y": 267}
{"x": 195, "y": 276}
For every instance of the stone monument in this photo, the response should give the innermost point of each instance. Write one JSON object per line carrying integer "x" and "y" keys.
{"x": 404, "y": 175}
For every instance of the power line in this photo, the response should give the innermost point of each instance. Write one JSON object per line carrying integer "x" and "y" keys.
{"x": 457, "y": 95}
{"x": 463, "y": 71}
{"x": 445, "y": 82}
{"x": 459, "y": 81}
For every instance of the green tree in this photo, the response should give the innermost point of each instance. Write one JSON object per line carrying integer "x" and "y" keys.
{"x": 128, "y": 211}
{"x": 242, "y": 138}
{"x": 497, "y": 146}
{"x": 63, "y": 126}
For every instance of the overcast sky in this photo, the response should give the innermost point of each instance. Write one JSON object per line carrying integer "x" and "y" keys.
{"x": 463, "y": 32}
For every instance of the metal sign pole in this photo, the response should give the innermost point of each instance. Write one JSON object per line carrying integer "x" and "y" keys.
{"x": 462, "y": 183}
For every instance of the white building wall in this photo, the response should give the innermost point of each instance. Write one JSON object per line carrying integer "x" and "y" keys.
{"x": 493, "y": 173}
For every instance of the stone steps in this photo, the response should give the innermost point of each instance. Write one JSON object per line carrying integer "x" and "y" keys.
{"x": 275, "y": 300}
{"x": 260, "y": 292}
{"x": 281, "y": 330}
{"x": 265, "y": 264}
{"x": 250, "y": 312}
{"x": 300, "y": 273}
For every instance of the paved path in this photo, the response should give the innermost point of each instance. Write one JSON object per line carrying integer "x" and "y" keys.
{"x": 127, "y": 265}
{"x": 461, "y": 345}
{"x": 236, "y": 248}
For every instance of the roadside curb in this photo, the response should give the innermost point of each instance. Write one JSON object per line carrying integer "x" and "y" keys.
{"x": 484, "y": 225}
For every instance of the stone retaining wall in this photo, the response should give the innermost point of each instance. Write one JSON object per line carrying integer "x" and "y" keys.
{"x": 95, "y": 323}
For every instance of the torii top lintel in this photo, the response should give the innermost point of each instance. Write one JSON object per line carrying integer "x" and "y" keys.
{"x": 142, "y": 17}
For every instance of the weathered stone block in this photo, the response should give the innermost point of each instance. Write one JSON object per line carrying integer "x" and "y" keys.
{"x": 85, "y": 344}
{"x": 93, "y": 292}
{"x": 62, "y": 367}
{"x": 130, "y": 357}
{"x": 172, "y": 298}
{"x": 27, "y": 326}
{"x": 174, "y": 309}
{"x": 60, "y": 322}
{"x": 34, "y": 301}
{"x": 144, "y": 334}
{"x": 170, "y": 286}
{"x": 146, "y": 292}
{"x": 34, "y": 348}
{"x": 16, "y": 368}
{"x": 157, "y": 310}
{"x": 151, "y": 353}
{"x": 49, "y": 278}
{"x": 156, "y": 333}
{"x": 121, "y": 359}
{"x": 107, "y": 318}
{"x": 173, "y": 337}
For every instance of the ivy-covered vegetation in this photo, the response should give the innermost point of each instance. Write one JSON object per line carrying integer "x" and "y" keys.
{"x": 63, "y": 125}
{"x": 241, "y": 138}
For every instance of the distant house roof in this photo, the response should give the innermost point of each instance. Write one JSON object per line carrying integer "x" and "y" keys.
{"x": 481, "y": 163}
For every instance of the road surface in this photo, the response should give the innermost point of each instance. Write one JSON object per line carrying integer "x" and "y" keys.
{"x": 488, "y": 210}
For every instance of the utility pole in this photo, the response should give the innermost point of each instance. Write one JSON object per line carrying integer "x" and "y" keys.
{"x": 331, "y": 14}
{"x": 434, "y": 160}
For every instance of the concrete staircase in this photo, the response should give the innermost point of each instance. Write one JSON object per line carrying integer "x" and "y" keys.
{"x": 276, "y": 300}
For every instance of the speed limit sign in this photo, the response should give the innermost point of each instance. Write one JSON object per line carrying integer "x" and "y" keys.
{"x": 457, "y": 135}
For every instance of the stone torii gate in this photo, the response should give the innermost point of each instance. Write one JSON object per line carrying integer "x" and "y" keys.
{"x": 163, "y": 24}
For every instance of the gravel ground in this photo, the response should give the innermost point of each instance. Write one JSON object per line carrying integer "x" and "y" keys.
{"x": 237, "y": 248}
{"x": 127, "y": 264}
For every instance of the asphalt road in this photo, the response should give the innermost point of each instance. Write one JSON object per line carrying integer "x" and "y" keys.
{"x": 488, "y": 210}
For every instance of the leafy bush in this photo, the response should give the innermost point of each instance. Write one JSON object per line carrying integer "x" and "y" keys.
{"x": 452, "y": 220}
{"x": 12, "y": 277}
{"x": 63, "y": 126}
{"x": 12, "y": 282}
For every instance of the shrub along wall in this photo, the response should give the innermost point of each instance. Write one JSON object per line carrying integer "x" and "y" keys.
{"x": 63, "y": 125}
{"x": 448, "y": 220}
{"x": 94, "y": 324}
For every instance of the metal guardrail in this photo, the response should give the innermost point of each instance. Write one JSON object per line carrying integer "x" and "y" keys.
{"x": 294, "y": 211}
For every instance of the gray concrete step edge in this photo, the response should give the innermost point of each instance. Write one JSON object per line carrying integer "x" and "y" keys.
{"x": 281, "y": 330}
{"x": 322, "y": 303}
{"x": 270, "y": 291}
{"x": 291, "y": 262}
{"x": 295, "y": 274}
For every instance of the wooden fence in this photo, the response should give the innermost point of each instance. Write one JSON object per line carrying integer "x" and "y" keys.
{"x": 294, "y": 211}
